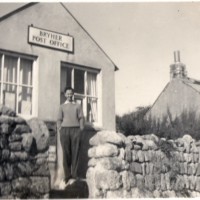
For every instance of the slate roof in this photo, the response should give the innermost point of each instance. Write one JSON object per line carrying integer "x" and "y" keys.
{"x": 195, "y": 84}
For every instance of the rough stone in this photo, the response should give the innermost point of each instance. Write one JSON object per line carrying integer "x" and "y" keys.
{"x": 150, "y": 182}
{"x": 140, "y": 181}
{"x": 104, "y": 150}
{"x": 20, "y": 184}
{"x": 42, "y": 170}
{"x": 15, "y": 146}
{"x": 19, "y": 120}
{"x": 138, "y": 146}
{"x": 40, "y": 161}
{"x": 168, "y": 194}
{"x": 18, "y": 156}
{"x": 14, "y": 138}
{"x": 125, "y": 165}
{"x": 128, "y": 154}
{"x": 135, "y": 155}
{"x": 5, "y": 128}
{"x": 146, "y": 156}
{"x": 151, "y": 137}
{"x": 198, "y": 170}
{"x": 115, "y": 194}
{"x": 136, "y": 193}
{"x": 191, "y": 169}
{"x": 92, "y": 162}
{"x": 110, "y": 163}
{"x": 108, "y": 179}
{"x": 185, "y": 164}
{"x": 141, "y": 193}
{"x": 163, "y": 182}
{"x": 27, "y": 142}
{"x": 136, "y": 167}
{"x": 194, "y": 148}
{"x": 3, "y": 142}
{"x": 179, "y": 185}
{"x": 141, "y": 156}
{"x": 23, "y": 169}
{"x": 21, "y": 128}
{"x": 128, "y": 180}
{"x": 2, "y": 174}
{"x": 149, "y": 144}
{"x": 9, "y": 172}
{"x": 182, "y": 168}
{"x": 6, "y": 119}
{"x": 157, "y": 194}
{"x": 196, "y": 157}
{"x": 5, "y": 155}
{"x": 157, "y": 181}
{"x": 103, "y": 137}
{"x": 192, "y": 182}
{"x": 40, "y": 133}
{"x": 128, "y": 143}
{"x": 121, "y": 153}
{"x": 40, "y": 185}
{"x": 127, "y": 194}
{"x": 5, "y": 188}
{"x": 167, "y": 179}
{"x": 197, "y": 184}
{"x": 143, "y": 169}
{"x": 90, "y": 178}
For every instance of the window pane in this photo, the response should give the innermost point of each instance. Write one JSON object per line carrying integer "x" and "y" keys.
{"x": 25, "y": 75}
{"x": 10, "y": 69}
{"x": 9, "y": 96}
{"x": 79, "y": 81}
{"x": 25, "y": 100}
{"x": 92, "y": 110}
{"x": 66, "y": 74}
{"x": 91, "y": 84}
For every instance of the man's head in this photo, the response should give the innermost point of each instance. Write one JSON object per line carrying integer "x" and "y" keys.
{"x": 69, "y": 93}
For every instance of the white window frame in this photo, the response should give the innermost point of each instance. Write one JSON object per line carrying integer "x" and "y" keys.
{"x": 34, "y": 86}
{"x": 85, "y": 95}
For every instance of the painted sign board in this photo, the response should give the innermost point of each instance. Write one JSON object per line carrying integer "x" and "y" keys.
{"x": 50, "y": 39}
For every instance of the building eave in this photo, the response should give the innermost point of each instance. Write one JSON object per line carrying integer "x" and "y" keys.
{"x": 17, "y": 10}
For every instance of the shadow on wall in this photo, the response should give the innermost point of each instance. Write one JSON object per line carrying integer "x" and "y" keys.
{"x": 87, "y": 133}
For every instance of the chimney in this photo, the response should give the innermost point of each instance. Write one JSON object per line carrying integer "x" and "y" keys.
{"x": 178, "y": 69}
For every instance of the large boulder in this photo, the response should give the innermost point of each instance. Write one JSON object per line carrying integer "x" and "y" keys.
{"x": 40, "y": 133}
{"x": 103, "y": 137}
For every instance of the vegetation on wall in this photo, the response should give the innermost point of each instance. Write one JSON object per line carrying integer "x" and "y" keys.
{"x": 135, "y": 123}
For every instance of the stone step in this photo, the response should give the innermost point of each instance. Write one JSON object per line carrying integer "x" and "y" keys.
{"x": 78, "y": 189}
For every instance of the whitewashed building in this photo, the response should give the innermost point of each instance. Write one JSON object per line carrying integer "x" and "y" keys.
{"x": 43, "y": 48}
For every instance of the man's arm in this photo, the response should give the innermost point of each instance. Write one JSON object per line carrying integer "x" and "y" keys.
{"x": 59, "y": 118}
{"x": 82, "y": 123}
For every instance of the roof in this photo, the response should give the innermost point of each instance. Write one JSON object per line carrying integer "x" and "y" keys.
{"x": 195, "y": 84}
{"x": 31, "y": 4}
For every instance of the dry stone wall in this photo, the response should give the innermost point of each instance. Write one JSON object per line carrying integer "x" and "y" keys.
{"x": 24, "y": 169}
{"x": 143, "y": 166}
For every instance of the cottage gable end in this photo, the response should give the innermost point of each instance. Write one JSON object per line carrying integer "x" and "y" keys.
{"x": 53, "y": 17}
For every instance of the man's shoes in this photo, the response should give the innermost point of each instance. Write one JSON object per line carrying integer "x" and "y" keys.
{"x": 70, "y": 181}
{"x": 62, "y": 185}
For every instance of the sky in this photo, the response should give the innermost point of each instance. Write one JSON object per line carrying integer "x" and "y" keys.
{"x": 140, "y": 39}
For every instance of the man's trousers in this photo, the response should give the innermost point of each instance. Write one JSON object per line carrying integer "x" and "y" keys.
{"x": 70, "y": 142}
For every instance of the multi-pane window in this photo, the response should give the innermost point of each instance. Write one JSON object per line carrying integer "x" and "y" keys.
{"x": 84, "y": 82}
{"x": 16, "y": 83}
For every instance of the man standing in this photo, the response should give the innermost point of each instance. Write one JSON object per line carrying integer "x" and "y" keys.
{"x": 70, "y": 123}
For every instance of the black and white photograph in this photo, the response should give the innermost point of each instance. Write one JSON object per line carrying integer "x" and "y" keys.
{"x": 99, "y": 99}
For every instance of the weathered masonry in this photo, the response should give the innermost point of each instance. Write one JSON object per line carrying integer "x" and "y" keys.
{"x": 143, "y": 166}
